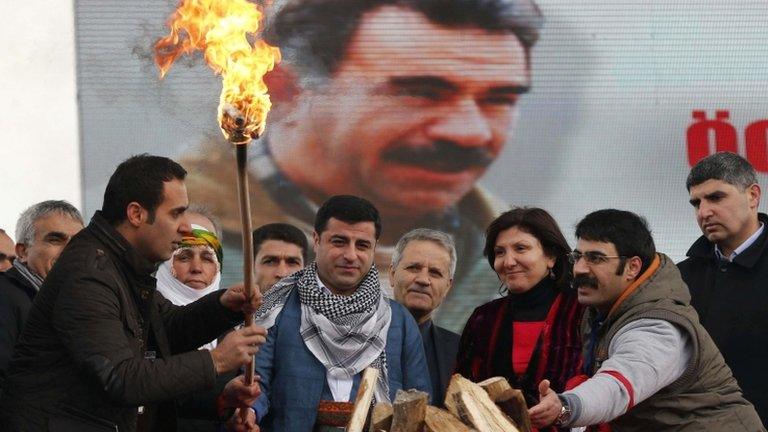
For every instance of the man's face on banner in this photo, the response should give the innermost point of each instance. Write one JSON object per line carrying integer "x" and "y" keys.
{"x": 416, "y": 112}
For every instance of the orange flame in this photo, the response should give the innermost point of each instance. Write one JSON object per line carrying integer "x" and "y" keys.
{"x": 220, "y": 29}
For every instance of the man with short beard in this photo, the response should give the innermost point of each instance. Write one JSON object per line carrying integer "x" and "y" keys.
{"x": 102, "y": 349}
{"x": 403, "y": 103}
{"x": 649, "y": 365}
{"x": 330, "y": 321}
{"x": 727, "y": 268}
{"x": 279, "y": 250}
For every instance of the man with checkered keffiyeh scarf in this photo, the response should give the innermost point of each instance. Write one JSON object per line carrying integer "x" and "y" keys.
{"x": 345, "y": 333}
{"x": 330, "y": 321}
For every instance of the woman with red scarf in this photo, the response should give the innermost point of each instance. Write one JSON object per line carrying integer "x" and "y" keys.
{"x": 532, "y": 333}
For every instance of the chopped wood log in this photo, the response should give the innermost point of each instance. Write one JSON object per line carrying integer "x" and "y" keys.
{"x": 512, "y": 403}
{"x": 470, "y": 412}
{"x": 410, "y": 408}
{"x": 363, "y": 400}
{"x": 471, "y": 403}
{"x": 495, "y": 386}
{"x": 381, "y": 418}
{"x": 440, "y": 420}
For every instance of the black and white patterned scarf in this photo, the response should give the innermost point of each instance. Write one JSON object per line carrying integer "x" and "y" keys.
{"x": 345, "y": 333}
{"x": 31, "y": 277}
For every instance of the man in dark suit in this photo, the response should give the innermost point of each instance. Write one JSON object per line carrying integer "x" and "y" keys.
{"x": 43, "y": 230}
{"x": 727, "y": 268}
{"x": 421, "y": 274}
{"x": 7, "y": 251}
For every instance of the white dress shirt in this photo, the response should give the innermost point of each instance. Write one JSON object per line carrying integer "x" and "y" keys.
{"x": 341, "y": 388}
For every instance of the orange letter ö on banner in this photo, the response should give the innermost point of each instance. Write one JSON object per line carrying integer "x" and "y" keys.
{"x": 724, "y": 132}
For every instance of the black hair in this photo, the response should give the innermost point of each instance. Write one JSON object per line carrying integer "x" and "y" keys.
{"x": 138, "y": 179}
{"x": 726, "y": 166}
{"x": 540, "y": 224}
{"x": 313, "y": 35}
{"x": 282, "y": 232}
{"x": 628, "y": 232}
{"x": 349, "y": 209}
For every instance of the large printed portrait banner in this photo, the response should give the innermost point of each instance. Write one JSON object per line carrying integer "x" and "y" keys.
{"x": 444, "y": 113}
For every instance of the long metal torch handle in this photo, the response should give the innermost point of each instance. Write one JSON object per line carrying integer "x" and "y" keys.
{"x": 241, "y": 151}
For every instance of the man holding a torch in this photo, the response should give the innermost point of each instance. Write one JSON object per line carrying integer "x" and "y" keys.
{"x": 102, "y": 349}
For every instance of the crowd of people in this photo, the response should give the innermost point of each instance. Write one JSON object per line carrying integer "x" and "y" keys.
{"x": 123, "y": 325}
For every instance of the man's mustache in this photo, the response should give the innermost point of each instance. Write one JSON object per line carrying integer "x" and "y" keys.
{"x": 419, "y": 289}
{"x": 584, "y": 281}
{"x": 441, "y": 155}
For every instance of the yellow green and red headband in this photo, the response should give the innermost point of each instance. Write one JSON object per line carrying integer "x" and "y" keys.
{"x": 202, "y": 237}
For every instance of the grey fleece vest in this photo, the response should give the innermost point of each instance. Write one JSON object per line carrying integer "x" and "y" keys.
{"x": 706, "y": 397}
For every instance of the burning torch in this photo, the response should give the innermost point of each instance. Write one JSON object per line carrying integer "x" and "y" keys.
{"x": 221, "y": 30}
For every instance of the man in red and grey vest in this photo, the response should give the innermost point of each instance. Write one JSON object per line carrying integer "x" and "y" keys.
{"x": 648, "y": 363}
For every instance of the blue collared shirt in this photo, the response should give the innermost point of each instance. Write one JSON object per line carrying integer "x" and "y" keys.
{"x": 747, "y": 243}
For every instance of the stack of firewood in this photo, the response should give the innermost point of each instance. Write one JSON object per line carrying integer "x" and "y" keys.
{"x": 489, "y": 406}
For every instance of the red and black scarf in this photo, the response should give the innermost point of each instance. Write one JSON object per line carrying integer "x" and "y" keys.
{"x": 487, "y": 343}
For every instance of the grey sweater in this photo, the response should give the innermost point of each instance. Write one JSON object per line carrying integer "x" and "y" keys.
{"x": 645, "y": 356}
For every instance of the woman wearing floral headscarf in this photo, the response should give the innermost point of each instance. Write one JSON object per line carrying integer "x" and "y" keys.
{"x": 194, "y": 270}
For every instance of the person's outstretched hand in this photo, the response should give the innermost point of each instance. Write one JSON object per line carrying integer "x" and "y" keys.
{"x": 548, "y": 409}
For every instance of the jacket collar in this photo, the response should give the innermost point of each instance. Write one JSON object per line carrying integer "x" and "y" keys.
{"x": 660, "y": 281}
{"x": 655, "y": 264}
{"x": 32, "y": 278}
{"x": 426, "y": 327}
{"x": 119, "y": 246}
{"x": 703, "y": 248}
{"x": 20, "y": 281}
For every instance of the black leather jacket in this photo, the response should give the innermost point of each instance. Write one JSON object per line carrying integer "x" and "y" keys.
{"x": 100, "y": 342}
{"x": 16, "y": 295}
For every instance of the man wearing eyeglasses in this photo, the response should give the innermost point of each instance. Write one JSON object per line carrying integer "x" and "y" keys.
{"x": 648, "y": 363}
